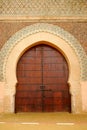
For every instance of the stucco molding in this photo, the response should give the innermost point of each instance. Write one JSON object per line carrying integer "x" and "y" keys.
{"x": 43, "y": 27}
{"x": 43, "y": 19}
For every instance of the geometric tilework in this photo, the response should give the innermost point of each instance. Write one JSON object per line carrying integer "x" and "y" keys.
{"x": 43, "y": 27}
{"x": 35, "y": 8}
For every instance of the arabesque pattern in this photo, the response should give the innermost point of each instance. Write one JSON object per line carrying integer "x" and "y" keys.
{"x": 39, "y": 8}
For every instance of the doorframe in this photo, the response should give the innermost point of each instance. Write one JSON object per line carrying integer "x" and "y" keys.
{"x": 53, "y": 38}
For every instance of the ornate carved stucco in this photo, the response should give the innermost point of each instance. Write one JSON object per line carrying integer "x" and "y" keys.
{"x": 38, "y": 8}
{"x": 43, "y": 27}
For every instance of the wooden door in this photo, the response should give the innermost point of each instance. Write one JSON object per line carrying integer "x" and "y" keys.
{"x": 42, "y": 74}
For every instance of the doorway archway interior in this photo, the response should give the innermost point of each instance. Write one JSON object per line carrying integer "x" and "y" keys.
{"x": 42, "y": 74}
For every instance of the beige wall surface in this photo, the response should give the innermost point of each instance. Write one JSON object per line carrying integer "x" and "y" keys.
{"x": 1, "y": 96}
{"x": 84, "y": 95}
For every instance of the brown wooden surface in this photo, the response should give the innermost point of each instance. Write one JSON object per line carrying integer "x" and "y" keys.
{"x": 42, "y": 74}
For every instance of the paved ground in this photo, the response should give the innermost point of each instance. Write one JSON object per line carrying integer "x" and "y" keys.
{"x": 43, "y": 121}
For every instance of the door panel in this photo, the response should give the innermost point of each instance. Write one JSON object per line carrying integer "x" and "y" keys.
{"x": 42, "y": 74}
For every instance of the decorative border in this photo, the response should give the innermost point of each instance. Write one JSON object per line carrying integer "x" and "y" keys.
{"x": 43, "y": 27}
{"x": 43, "y": 8}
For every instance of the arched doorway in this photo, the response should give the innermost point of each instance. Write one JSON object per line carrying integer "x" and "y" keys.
{"x": 55, "y": 37}
{"x": 42, "y": 75}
